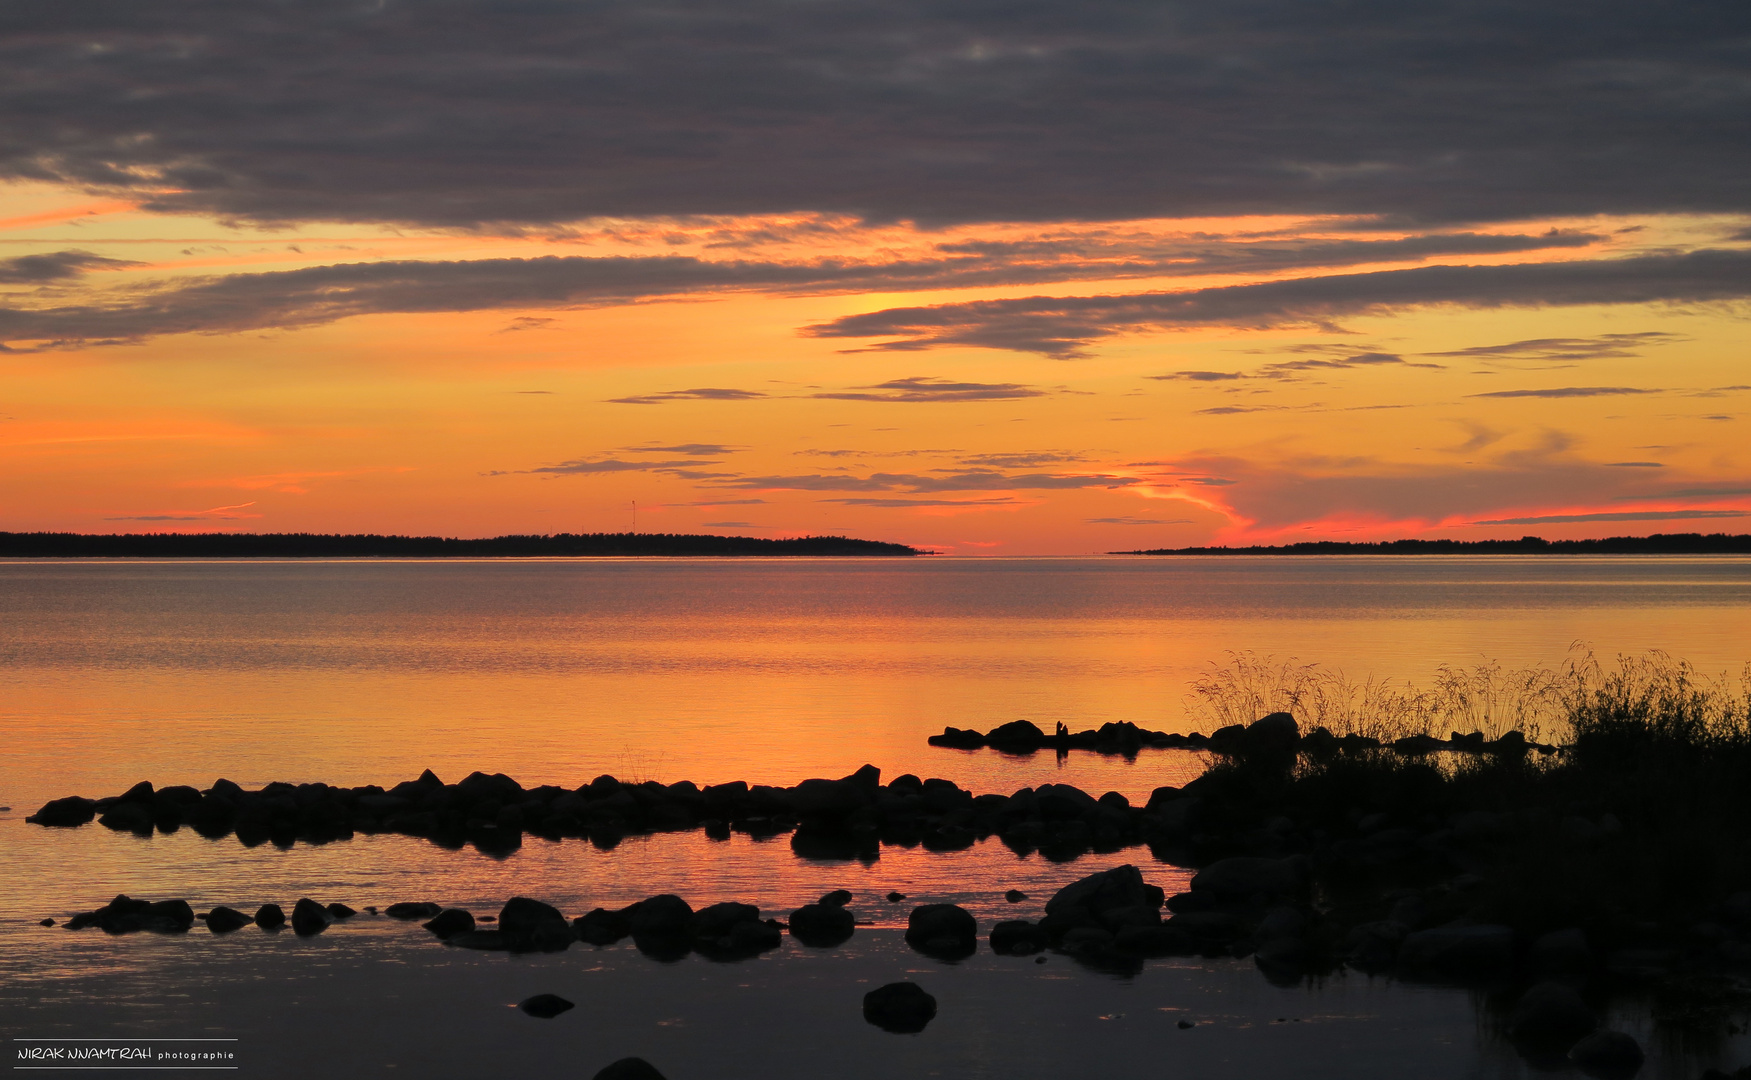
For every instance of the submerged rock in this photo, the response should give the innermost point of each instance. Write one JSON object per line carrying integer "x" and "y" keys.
{"x": 270, "y": 917}
{"x": 408, "y": 910}
{"x": 545, "y": 1006}
{"x": 630, "y": 1068}
{"x": 223, "y": 920}
{"x": 822, "y": 925}
{"x": 903, "y": 1008}
{"x": 309, "y": 918}
{"x": 944, "y": 931}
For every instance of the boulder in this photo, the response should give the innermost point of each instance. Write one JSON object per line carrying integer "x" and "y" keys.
{"x": 134, "y": 817}
{"x": 411, "y": 910}
{"x": 946, "y": 931}
{"x": 532, "y": 926}
{"x": 1015, "y": 896}
{"x": 223, "y": 920}
{"x": 1459, "y": 953}
{"x": 601, "y": 927}
{"x": 822, "y": 925}
{"x": 450, "y": 922}
{"x": 1551, "y": 1012}
{"x": 831, "y": 799}
{"x": 125, "y": 915}
{"x": 665, "y": 915}
{"x": 1251, "y": 879}
{"x": 630, "y": 1068}
{"x": 1608, "y": 1055}
{"x": 1016, "y": 736}
{"x": 309, "y": 918}
{"x": 1108, "y": 900}
{"x": 1017, "y": 937}
{"x": 718, "y": 920}
{"x": 545, "y": 1006}
{"x": 836, "y": 898}
{"x": 69, "y": 812}
{"x": 340, "y": 911}
{"x": 1276, "y": 735}
{"x": 895, "y": 897}
{"x": 903, "y": 1008}
{"x": 270, "y": 917}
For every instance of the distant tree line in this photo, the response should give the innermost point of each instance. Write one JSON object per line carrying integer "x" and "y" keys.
{"x": 49, "y": 545}
{"x": 1658, "y": 544}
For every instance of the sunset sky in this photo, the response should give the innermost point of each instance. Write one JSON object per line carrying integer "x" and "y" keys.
{"x": 990, "y": 278}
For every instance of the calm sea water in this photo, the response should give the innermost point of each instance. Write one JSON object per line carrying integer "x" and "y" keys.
{"x": 771, "y": 671}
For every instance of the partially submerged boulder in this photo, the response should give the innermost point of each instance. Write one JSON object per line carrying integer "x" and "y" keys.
{"x": 532, "y": 926}
{"x": 450, "y": 922}
{"x": 413, "y": 910}
{"x": 822, "y": 925}
{"x": 545, "y": 1006}
{"x": 309, "y": 918}
{"x": 944, "y": 931}
{"x": 125, "y": 915}
{"x": 1108, "y": 901}
{"x": 270, "y": 916}
{"x": 903, "y": 1008}
{"x": 223, "y": 920}
{"x": 630, "y": 1068}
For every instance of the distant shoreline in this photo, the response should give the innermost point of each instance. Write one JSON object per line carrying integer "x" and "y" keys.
{"x": 1658, "y": 544}
{"x": 44, "y": 545}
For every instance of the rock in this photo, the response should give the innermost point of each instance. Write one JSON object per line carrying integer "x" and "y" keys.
{"x": 309, "y": 918}
{"x": 1457, "y": 952}
{"x": 1015, "y": 896}
{"x": 828, "y": 799}
{"x": 1250, "y": 879}
{"x": 1276, "y": 735}
{"x": 69, "y": 812}
{"x": 1017, "y": 937}
{"x": 719, "y": 919}
{"x": 1016, "y": 736}
{"x": 46, "y": 922}
{"x": 946, "y": 931}
{"x": 1551, "y": 1012}
{"x": 545, "y": 1006}
{"x": 340, "y": 911}
{"x": 409, "y": 910}
{"x": 666, "y": 915}
{"x": 836, "y": 898}
{"x": 1108, "y": 900}
{"x": 270, "y": 917}
{"x": 731, "y": 931}
{"x": 955, "y": 738}
{"x": 450, "y": 922}
{"x": 134, "y": 817}
{"x": 601, "y": 927}
{"x": 125, "y": 915}
{"x": 903, "y": 1008}
{"x": 1281, "y": 922}
{"x": 1609, "y": 1055}
{"x": 630, "y": 1068}
{"x": 532, "y": 926}
{"x": 1562, "y": 952}
{"x": 896, "y": 897}
{"x": 223, "y": 920}
{"x": 822, "y": 925}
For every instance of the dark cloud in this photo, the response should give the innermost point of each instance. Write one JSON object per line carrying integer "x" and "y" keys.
{"x": 924, "y": 388}
{"x": 1065, "y": 326}
{"x": 692, "y": 449}
{"x": 1634, "y": 465}
{"x": 613, "y": 465}
{"x": 483, "y": 111}
{"x": 58, "y": 266}
{"x": 1688, "y": 493}
{"x": 898, "y": 504}
{"x": 706, "y": 503}
{"x": 1603, "y": 347}
{"x": 1638, "y": 515}
{"x": 1567, "y": 392}
{"x": 1024, "y": 460}
{"x": 1235, "y": 410}
{"x": 1137, "y": 521}
{"x": 698, "y": 393}
{"x": 966, "y": 480}
{"x": 1200, "y": 376}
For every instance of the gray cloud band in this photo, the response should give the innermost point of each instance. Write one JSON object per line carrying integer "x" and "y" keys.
{"x": 1065, "y": 326}
{"x": 478, "y": 111}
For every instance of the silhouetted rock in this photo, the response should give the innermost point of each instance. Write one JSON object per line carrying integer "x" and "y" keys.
{"x": 896, "y": 897}
{"x": 134, "y": 817}
{"x": 665, "y": 915}
{"x": 836, "y": 898}
{"x": 1551, "y": 1012}
{"x": 450, "y": 922}
{"x": 1017, "y": 937}
{"x": 223, "y": 920}
{"x": 1016, "y": 736}
{"x": 602, "y": 927}
{"x": 903, "y": 1008}
{"x": 339, "y": 911}
{"x": 631, "y": 1068}
{"x": 822, "y": 925}
{"x": 270, "y": 917}
{"x": 1608, "y": 1055}
{"x": 1276, "y": 735}
{"x": 46, "y": 922}
{"x": 309, "y": 917}
{"x": 958, "y": 739}
{"x": 1457, "y": 952}
{"x": 413, "y": 910}
{"x": 545, "y": 1006}
{"x": 1107, "y": 900}
{"x": 1251, "y": 880}
{"x": 944, "y": 931}
{"x": 532, "y": 926}
{"x": 69, "y": 812}
{"x": 732, "y": 931}
{"x": 125, "y": 915}
{"x": 1015, "y": 896}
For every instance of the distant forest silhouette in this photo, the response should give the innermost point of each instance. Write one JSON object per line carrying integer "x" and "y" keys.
{"x": 1658, "y": 544}
{"x": 48, "y": 545}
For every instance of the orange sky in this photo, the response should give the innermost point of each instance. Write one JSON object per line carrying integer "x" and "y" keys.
{"x": 170, "y": 375}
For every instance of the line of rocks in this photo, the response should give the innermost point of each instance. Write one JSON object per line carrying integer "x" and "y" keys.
{"x": 1275, "y": 733}
{"x": 849, "y": 817}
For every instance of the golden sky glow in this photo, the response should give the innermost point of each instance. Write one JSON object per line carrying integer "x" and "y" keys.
{"x": 718, "y": 406}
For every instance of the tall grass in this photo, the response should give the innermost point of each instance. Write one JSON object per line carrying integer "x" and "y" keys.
{"x": 1653, "y": 696}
